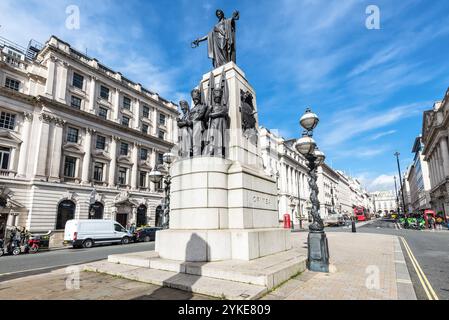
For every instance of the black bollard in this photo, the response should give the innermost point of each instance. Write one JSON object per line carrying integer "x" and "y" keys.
{"x": 354, "y": 230}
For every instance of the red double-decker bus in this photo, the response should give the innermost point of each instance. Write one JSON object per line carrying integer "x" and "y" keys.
{"x": 359, "y": 213}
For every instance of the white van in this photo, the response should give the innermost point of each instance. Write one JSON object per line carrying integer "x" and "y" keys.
{"x": 86, "y": 233}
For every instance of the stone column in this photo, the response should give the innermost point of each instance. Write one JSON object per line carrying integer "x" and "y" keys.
{"x": 62, "y": 81}
{"x": 49, "y": 85}
{"x": 92, "y": 94}
{"x": 152, "y": 185}
{"x": 25, "y": 136}
{"x": 40, "y": 169}
{"x": 137, "y": 115}
{"x": 116, "y": 105}
{"x": 85, "y": 178}
{"x": 56, "y": 154}
{"x": 113, "y": 164}
{"x": 135, "y": 160}
{"x": 445, "y": 154}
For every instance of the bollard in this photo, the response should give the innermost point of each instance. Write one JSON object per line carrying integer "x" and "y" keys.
{"x": 354, "y": 230}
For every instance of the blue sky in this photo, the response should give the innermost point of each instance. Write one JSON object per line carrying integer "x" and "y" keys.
{"x": 369, "y": 87}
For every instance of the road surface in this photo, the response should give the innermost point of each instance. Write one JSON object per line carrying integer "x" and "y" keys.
{"x": 426, "y": 253}
{"x": 12, "y": 267}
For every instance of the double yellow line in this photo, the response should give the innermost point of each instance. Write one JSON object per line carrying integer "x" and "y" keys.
{"x": 431, "y": 295}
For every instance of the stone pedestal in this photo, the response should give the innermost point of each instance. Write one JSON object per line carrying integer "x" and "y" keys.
{"x": 318, "y": 252}
{"x": 224, "y": 209}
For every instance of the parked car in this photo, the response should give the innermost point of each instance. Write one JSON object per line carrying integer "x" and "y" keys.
{"x": 87, "y": 233}
{"x": 335, "y": 220}
{"x": 145, "y": 234}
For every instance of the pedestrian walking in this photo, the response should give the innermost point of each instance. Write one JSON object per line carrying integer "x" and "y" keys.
{"x": 132, "y": 228}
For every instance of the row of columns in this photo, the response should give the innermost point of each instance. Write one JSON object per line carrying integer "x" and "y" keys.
{"x": 292, "y": 181}
{"x": 439, "y": 162}
{"x": 48, "y": 156}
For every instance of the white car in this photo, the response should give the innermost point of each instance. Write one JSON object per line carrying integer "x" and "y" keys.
{"x": 86, "y": 233}
{"x": 334, "y": 220}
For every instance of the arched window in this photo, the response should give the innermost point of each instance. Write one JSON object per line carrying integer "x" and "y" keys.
{"x": 96, "y": 211}
{"x": 141, "y": 216}
{"x": 66, "y": 211}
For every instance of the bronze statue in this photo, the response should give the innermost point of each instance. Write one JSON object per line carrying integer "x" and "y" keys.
{"x": 197, "y": 116}
{"x": 248, "y": 113}
{"x": 221, "y": 40}
{"x": 218, "y": 118}
{"x": 185, "y": 125}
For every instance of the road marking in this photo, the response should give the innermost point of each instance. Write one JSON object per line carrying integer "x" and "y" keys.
{"x": 431, "y": 295}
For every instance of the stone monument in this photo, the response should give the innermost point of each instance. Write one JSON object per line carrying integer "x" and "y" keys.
{"x": 223, "y": 205}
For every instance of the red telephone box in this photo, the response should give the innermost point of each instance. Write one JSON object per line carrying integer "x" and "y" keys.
{"x": 287, "y": 221}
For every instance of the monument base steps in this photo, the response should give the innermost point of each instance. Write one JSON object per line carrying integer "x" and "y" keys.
{"x": 230, "y": 279}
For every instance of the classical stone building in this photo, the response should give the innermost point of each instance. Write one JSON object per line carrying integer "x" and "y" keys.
{"x": 328, "y": 185}
{"x": 337, "y": 191}
{"x": 77, "y": 139}
{"x": 281, "y": 160}
{"x": 435, "y": 133}
{"x": 384, "y": 201}
{"x": 419, "y": 179}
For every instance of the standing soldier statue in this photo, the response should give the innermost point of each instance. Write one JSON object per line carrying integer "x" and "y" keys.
{"x": 221, "y": 40}
{"x": 185, "y": 125}
{"x": 197, "y": 116}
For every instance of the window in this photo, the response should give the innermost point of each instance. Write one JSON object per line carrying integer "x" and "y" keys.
{"x": 104, "y": 92}
{"x": 101, "y": 143}
{"x": 66, "y": 211}
{"x": 69, "y": 167}
{"x": 122, "y": 176}
{"x": 72, "y": 135}
{"x": 103, "y": 113}
{"x": 98, "y": 171}
{"x": 125, "y": 121}
{"x": 143, "y": 179}
{"x": 12, "y": 84}
{"x": 161, "y": 134}
{"x": 75, "y": 102}
{"x": 146, "y": 112}
{"x": 143, "y": 154}
{"x": 78, "y": 81}
{"x": 145, "y": 128}
{"x": 160, "y": 158}
{"x": 162, "y": 119}
{"x": 123, "y": 149}
{"x": 7, "y": 120}
{"x": 126, "y": 103}
{"x": 4, "y": 158}
{"x": 119, "y": 228}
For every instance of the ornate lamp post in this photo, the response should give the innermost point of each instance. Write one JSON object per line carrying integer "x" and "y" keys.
{"x": 157, "y": 176}
{"x": 318, "y": 248}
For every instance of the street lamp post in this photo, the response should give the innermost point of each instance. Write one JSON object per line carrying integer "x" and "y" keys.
{"x": 397, "y": 154}
{"x": 157, "y": 176}
{"x": 317, "y": 245}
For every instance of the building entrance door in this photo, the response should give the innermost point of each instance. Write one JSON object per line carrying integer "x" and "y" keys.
{"x": 122, "y": 218}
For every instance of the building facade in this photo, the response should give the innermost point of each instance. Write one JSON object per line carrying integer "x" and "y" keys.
{"x": 384, "y": 202}
{"x": 328, "y": 185}
{"x": 419, "y": 179}
{"x": 288, "y": 166}
{"x": 436, "y": 153}
{"x": 77, "y": 140}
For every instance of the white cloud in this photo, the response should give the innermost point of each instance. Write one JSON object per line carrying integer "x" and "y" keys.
{"x": 382, "y": 134}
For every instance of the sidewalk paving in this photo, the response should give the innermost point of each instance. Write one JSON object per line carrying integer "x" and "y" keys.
{"x": 356, "y": 260}
{"x": 363, "y": 267}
